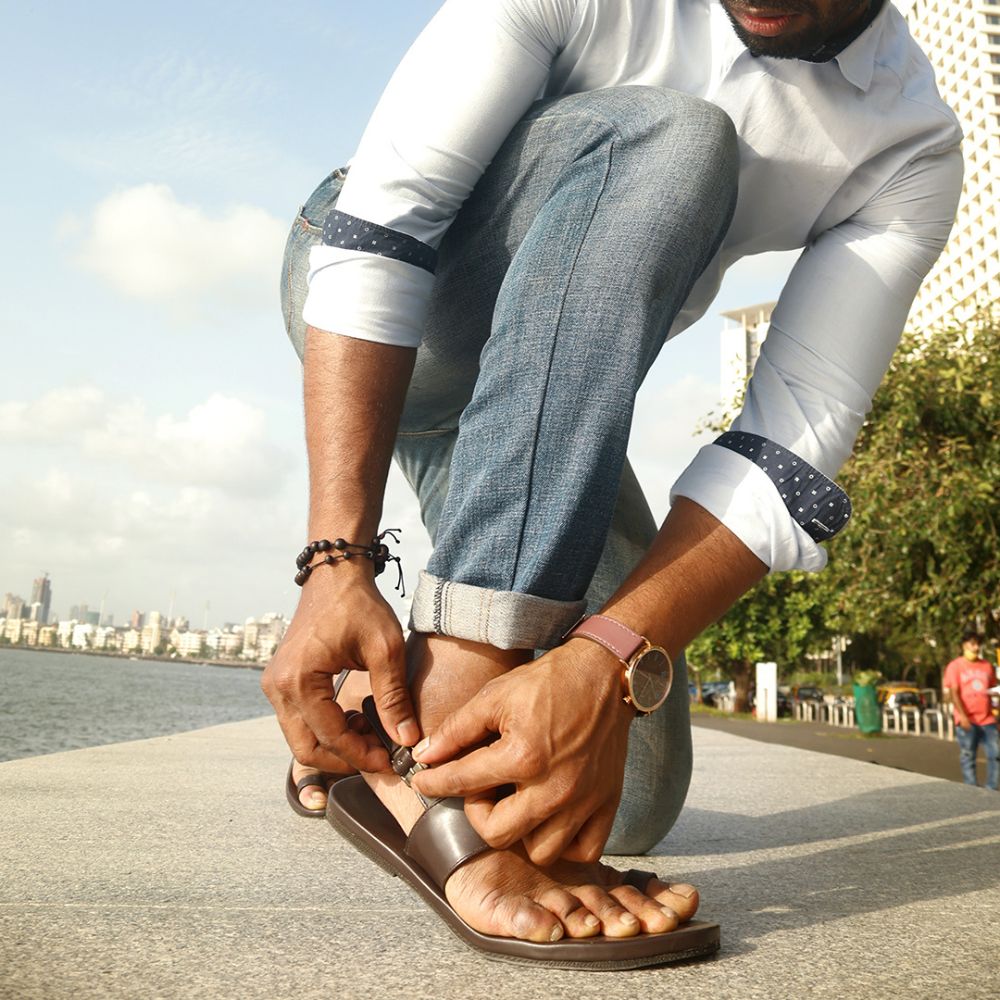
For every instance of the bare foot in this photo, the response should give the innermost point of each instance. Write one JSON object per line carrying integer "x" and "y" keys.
{"x": 502, "y": 892}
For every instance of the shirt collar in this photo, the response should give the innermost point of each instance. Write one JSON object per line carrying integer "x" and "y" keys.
{"x": 857, "y": 61}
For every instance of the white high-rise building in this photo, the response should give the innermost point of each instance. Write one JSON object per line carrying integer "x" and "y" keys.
{"x": 962, "y": 41}
{"x": 742, "y": 336}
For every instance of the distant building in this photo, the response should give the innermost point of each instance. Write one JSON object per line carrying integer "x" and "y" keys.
{"x": 137, "y": 620}
{"x": 962, "y": 41}
{"x": 41, "y": 598}
{"x": 742, "y": 338}
{"x": 13, "y": 606}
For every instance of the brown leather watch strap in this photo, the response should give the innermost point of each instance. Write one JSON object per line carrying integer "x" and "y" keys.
{"x": 618, "y": 638}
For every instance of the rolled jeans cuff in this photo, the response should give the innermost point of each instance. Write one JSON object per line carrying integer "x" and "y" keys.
{"x": 501, "y": 618}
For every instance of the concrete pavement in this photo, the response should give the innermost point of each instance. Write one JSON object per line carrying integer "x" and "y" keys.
{"x": 173, "y": 868}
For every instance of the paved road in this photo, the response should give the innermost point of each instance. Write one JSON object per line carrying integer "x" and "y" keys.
{"x": 920, "y": 754}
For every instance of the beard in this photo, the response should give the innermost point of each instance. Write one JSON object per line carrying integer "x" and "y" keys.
{"x": 815, "y": 29}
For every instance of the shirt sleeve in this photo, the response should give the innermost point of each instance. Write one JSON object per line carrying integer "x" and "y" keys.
{"x": 832, "y": 334}
{"x": 466, "y": 81}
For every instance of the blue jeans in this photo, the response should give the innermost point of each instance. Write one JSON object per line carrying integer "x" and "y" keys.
{"x": 556, "y": 287}
{"x": 969, "y": 741}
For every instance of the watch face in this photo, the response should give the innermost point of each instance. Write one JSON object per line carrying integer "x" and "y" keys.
{"x": 650, "y": 678}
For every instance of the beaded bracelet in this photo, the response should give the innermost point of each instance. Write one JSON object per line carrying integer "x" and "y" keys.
{"x": 377, "y": 552}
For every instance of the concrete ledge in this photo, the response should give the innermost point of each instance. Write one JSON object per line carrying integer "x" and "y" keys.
{"x": 172, "y": 867}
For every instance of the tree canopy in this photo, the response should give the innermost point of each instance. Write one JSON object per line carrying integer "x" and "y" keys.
{"x": 920, "y": 559}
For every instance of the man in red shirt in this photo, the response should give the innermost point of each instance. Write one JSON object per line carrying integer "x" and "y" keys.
{"x": 967, "y": 684}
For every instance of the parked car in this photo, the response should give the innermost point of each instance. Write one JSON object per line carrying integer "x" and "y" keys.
{"x": 808, "y": 692}
{"x": 899, "y": 695}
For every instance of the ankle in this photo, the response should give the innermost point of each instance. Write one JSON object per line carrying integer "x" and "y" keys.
{"x": 446, "y": 672}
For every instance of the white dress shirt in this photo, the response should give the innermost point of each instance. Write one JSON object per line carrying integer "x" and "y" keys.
{"x": 856, "y": 160}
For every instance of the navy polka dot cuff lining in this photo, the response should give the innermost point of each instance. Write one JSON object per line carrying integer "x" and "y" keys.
{"x": 351, "y": 233}
{"x": 817, "y": 504}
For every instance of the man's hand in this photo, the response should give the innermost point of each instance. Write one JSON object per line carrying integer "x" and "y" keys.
{"x": 343, "y": 622}
{"x": 563, "y": 734}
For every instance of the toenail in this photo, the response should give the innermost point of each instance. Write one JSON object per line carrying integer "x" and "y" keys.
{"x": 629, "y": 919}
{"x": 670, "y": 914}
{"x": 681, "y": 889}
{"x": 591, "y": 921}
{"x": 557, "y": 932}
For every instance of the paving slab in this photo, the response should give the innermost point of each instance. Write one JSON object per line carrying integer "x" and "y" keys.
{"x": 173, "y": 868}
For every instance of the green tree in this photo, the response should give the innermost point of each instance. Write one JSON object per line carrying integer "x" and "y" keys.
{"x": 779, "y": 620}
{"x": 920, "y": 559}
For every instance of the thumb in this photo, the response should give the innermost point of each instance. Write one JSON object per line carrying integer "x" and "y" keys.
{"x": 392, "y": 697}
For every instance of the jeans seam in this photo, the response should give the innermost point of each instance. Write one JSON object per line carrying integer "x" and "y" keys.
{"x": 548, "y": 374}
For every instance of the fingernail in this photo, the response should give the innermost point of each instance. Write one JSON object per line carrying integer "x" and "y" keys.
{"x": 422, "y": 747}
{"x": 557, "y": 932}
{"x": 629, "y": 919}
{"x": 591, "y": 921}
{"x": 409, "y": 732}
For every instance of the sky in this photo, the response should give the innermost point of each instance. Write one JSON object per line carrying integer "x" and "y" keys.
{"x": 151, "y": 441}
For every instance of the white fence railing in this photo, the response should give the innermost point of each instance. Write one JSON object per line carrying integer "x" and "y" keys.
{"x": 921, "y": 722}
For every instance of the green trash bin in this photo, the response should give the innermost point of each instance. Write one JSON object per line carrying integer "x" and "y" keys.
{"x": 867, "y": 713}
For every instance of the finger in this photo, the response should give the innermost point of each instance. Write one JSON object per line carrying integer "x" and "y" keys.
{"x": 517, "y": 815}
{"x": 392, "y": 697}
{"x": 588, "y": 844}
{"x": 547, "y": 843}
{"x": 332, "y": 738}
{"x": 477, "y": 720}
{"x": 474, "y": 774}
{"x": 302, "y": 742}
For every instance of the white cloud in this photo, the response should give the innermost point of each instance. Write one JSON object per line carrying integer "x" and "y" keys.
{"x": 221, "y": 443}
{"x": 148, "y": 245}
{"x": 57, "y": 416}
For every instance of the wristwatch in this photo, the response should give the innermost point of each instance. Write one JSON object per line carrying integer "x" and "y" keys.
{"x": 648, "y": 671}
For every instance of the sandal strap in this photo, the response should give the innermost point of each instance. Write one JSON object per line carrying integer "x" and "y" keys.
{"x": 319, "y": 780}
{"x": 442, "y": 838}
{"x": 638, "y": 879}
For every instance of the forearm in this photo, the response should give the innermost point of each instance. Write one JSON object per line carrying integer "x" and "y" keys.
{"x": 354, "y": 392}
{"x": 694, "y": 571}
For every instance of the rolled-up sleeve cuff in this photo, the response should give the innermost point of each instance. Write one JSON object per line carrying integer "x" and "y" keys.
{"x": 741, "y": 493}
{"x": 367, "y": 297}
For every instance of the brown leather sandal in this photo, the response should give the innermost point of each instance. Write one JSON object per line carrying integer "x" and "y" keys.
{"x": 443, "y": 839}
{"x": 322, "y": 779}
{"x": 292, "y": 789}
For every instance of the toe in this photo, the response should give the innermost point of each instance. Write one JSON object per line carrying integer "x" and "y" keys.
{"x": 616, "y": 920}
{"x": 677, "y": 896}
{"x": 578, "y": 921}
{"x": 653, "y": 916}
{"x": 515, "y": 915}
{"x": 312, "y": 796}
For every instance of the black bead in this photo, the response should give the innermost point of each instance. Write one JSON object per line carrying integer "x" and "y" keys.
{"x": 324, "y": 545}
{"x": 330, "y": 560}
{"x": 339, "y": 543}
{"x": 347, "y": 555}
{"x": 301, "y": 577}
{"x": 369, "y": 554}
{"x": 300, "y": 560}
{"x": 305, "y": 555}
{"x": 311, "y": 548}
